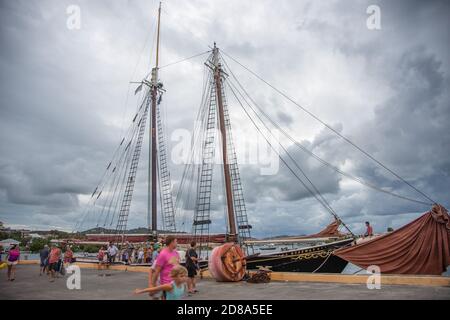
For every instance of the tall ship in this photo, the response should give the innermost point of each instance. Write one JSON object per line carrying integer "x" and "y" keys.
{"x": 110, "y": 202}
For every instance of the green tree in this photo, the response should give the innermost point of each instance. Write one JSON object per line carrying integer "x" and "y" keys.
{"x": 38, "y": 244}
{"x": 4, "y": 235}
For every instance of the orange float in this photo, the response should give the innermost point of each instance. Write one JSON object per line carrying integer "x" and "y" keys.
{"x": 227, "y": 263}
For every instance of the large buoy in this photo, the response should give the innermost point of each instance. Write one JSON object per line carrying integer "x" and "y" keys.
{"x": 227, "y": 263}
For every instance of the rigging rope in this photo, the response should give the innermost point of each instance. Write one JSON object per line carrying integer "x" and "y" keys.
{"x": 299, "y": 145}
{"x": 183, "y": 60}
{"x": 329, "y": 127}
{"x": 317, "y": 195}
{"x": 196, "y": 141}
{"x": 110, "y": 175}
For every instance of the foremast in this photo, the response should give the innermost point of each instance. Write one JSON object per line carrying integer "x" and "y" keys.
{"x": 152, "y": 185}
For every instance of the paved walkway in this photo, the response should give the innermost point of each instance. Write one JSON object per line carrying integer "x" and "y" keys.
{"x": 120, "y": 285}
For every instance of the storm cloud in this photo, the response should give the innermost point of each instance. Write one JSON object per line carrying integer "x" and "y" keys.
{"x": 66, "y": 101}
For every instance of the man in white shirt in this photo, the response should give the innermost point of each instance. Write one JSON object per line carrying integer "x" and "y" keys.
{"x": 112, "y": 252}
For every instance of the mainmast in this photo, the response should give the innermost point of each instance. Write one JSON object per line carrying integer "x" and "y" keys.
{"x": 152, "y": 186}
{"x": 232, "y": 236}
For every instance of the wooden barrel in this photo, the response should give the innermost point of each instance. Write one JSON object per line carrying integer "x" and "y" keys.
{"x": 227, "y": 263}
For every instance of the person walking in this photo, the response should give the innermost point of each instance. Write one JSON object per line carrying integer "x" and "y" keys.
{"x": 175, "y": 289}
{"x": 192, "y": 267}
{"x": 166, "y": 261}
{"x": 12, "y": 260}
{"x": 54, "y": 257}
{"x": 43, "y": 254}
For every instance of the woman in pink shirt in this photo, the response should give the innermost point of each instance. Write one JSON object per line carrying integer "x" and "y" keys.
{"x": 12, "y": 261}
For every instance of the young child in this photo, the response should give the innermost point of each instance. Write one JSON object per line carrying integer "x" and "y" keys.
{"x": 174, "y": 290}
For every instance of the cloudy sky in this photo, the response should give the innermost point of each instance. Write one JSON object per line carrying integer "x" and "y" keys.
{"x": 66, "y": 101}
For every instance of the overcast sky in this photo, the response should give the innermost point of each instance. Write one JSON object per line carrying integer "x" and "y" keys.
{"x": 65, "y": 102}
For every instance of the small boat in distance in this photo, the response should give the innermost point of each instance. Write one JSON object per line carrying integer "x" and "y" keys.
{"x": 268, "y": 247}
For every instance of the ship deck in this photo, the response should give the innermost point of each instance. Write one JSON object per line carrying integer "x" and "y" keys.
{"x": 120, "y": 285}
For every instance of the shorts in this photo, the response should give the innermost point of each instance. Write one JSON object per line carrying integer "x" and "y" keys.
{"x": 11, "y": 263}
{"x": 54, "y": 266}
{"x": 111, "y": 259}
{"x": 192, "y": 271}
{"x": 44, "y": 263}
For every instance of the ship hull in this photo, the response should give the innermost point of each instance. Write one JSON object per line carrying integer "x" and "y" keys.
{"x": 312, "y": 259}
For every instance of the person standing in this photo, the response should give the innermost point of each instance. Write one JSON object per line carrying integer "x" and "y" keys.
{"x": 145, "y": 249}
{"x": 141, "y": 255}
{"x": 150, "y": 254}
{"x": 156, "y": 250}
{"x": 68, "y": 256}
{"x": 192, "y": 267}
{"x": 130, "y": 253}
{"x": 166, "y": 261}
{"x": 54, "y": 257}
{"x": 112, "y": 252}
{"x": 12, "y": 260}
{"x": 43, "y": 254}
{"x": 369, "y": 230}
{"x": 101, "y": 258}
{"x": 125, "y": 256}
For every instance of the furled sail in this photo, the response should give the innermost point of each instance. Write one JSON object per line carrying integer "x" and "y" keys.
{"x": 420, "y": 247}
{"x": 332, "y": 230}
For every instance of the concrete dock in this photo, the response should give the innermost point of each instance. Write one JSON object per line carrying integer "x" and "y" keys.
{"x": 121, "y": 284}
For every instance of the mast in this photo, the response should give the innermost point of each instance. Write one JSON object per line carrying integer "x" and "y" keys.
{"x": 232, "y": 236}
{"x": 152, "y": 186}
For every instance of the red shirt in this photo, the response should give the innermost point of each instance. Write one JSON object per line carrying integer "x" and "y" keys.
{"x": 54, "y": 255}
{"x": 369, "y": 231}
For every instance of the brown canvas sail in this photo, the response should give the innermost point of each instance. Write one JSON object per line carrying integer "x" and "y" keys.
{"x": 330, "y": 231}
{"x": 420, "y": 247}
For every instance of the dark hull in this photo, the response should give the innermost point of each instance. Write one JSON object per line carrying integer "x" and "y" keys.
{"x": 312, "y": 259}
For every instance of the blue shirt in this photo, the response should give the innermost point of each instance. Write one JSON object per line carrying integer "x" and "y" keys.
{"x": 44, "y": 254}
{"x": 177, "y": 292}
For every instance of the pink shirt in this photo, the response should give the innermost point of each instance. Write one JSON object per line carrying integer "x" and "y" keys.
{"x": 167, "y": 260}
{"x": 14, "y": 255}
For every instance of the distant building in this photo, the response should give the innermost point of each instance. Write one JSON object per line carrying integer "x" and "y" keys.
{"x": 24, "y": 233}
{"x": 35, "y": 236}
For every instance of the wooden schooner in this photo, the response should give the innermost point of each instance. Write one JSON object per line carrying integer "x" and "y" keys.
{"x": 111, "y": 200}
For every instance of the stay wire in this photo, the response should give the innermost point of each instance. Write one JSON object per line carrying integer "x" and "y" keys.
{"x": 299, "y": 145}
{"x": 329, "y": 127}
